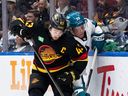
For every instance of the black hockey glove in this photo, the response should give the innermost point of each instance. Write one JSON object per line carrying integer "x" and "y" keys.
{"x": 16, "y": 26}
{"x": 27, "y": 31}
{"x": 67, "y": 77}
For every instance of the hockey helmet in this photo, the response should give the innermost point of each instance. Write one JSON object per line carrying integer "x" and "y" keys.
{"x": 58, "y": 21}
{"x": 75, "y": 19}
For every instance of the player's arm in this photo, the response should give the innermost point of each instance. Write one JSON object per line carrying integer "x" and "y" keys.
{"x": 21, "y": 28}
{"x": 79, "y": 55}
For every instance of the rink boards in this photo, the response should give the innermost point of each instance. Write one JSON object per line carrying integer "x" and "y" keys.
{"x": 15, "y": 69}
{"x": 109, "y": 76}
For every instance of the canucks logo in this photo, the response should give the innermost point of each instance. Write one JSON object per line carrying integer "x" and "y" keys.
{"x": 48, "y": 54}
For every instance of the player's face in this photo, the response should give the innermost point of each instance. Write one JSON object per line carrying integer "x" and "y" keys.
{"x": 79, "y": 31}
{"x": 55, "y": 33}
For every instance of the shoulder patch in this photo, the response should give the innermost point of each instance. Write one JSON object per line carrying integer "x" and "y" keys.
{"x": 35, "y": 80}
{"x": 41, "y": 39}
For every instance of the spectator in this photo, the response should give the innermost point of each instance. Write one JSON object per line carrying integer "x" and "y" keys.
{"x": 43, "y": 19}
{"x": 24, "y": 5}
{"x": 123, "y": 8}
{"x": 11, "y": 7}
{"x": 104, "y": 12}
{"x": 11, "y": 41}
{"x": 74, "y": 2}
{"x": 22, "y": 46}
{"x": 100, "y": 7}
{"x": 42, "y": 5}
{"x": 32, "y": 15}
{"x": 63, "y": 6}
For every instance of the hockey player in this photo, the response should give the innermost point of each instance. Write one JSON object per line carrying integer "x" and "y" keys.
{"x": 56, "y": 49}
{"x": 83, "y": 30}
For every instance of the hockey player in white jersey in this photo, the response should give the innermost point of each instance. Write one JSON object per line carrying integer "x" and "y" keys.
{"x": 83, "y": 30}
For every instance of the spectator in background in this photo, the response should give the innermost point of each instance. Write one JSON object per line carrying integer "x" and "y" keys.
{"x": 43, "y": 8}
{"x": 63, "y": 6}
{"x": 24, "y": 5}
{"x": 104, "y": 12}
{"x": 122, "y": 8}
{"x": 22, "y": 46}
{"x": 11, "y": 41}
{"x": 32, "y": 15}
{"x": 74, "y": 3}
{"x": 12, "y": 11}
{"x": 100, "y": 7}
{"x": 100, "y": 11}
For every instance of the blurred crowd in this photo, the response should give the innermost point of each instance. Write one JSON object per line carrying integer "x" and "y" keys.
{"x": 112, "y": 18}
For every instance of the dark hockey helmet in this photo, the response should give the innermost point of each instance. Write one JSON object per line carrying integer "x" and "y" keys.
{"x": 58, "y": 21}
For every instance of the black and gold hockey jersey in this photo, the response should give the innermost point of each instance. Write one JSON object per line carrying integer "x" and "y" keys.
{"x": 56, "y": 54}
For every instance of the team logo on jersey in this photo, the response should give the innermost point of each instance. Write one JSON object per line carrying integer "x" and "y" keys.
{"x": 35, "y": 80}
{"x": 48, "y": 54}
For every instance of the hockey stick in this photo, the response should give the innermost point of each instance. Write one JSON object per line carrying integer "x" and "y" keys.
{"x": 92, "y": 67}
{"x": 56, "y": 85}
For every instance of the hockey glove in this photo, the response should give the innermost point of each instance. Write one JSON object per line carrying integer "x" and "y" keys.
{"x": 67, "y": 77}
{"x": 28, "y": 30}
{"x": 98, "y": 41}
{"x": 16, "y": 26}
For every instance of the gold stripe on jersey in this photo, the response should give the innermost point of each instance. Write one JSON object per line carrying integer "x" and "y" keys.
{"x": 34, "y": 67}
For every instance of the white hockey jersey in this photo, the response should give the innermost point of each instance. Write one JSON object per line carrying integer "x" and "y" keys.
{"x": 90, "y": 27}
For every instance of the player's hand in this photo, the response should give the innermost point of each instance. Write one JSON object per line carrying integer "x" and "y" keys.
{"x": 98, "y": 41}
{"x": 22, "y": 29}
{"x": 27, "y": 31}
{"x": 67, "y": 77}
{"x": 16, "y": 26}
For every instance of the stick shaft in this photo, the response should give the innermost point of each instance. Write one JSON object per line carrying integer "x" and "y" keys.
{"x": 92, "y": 67}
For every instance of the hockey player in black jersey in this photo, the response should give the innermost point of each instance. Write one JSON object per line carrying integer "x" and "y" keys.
{"x": 56, "y": 49}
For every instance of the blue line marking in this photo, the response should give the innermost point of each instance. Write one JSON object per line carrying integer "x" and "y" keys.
{"x": 15, "y": 53}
